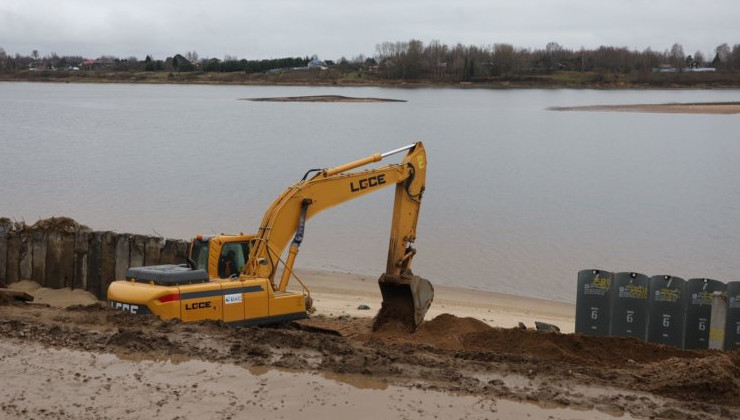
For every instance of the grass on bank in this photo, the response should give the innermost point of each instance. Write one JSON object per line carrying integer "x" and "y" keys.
{"x": 562, "y": 79}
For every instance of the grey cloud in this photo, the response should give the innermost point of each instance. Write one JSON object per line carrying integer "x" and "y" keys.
{"x": 333, "y": 28}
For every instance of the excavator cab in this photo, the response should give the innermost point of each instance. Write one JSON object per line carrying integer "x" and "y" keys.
{"x": 231, "y": 252}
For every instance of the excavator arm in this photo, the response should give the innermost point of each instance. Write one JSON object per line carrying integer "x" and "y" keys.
{"x": 405, "y": 297}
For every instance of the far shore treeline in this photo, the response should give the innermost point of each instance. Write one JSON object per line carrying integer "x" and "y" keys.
{"x": 412, "y": 62}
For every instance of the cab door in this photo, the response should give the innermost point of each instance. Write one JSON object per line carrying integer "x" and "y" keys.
{"x": 232, "y": 258}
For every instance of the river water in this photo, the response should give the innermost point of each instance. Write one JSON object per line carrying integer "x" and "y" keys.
{"x": 518, "y": 198}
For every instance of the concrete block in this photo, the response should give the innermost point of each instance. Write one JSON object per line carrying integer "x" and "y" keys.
{"x": 172, "y": 252}
{"x": 107, "y": 262}
{"x": 54, "y": 264}
{"x": 152, "y": 250}
{"x": 5, "y": 227}
{"x": 12, "y": 271}
{"x": 38, "y": 245}
{"x": 25, "y": 256}
{"x": 94, "y": 263}
{"x": 81, "y": 249}
{"x": 123, "y": 249}
{"x": 136, "y": 257}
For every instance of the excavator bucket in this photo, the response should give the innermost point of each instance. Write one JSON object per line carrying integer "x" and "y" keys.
{"x": 406, "y": 300}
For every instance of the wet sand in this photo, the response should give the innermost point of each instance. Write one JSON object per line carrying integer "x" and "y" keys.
{"x": 44, "y": 382}
{"x": 466, "y": 361}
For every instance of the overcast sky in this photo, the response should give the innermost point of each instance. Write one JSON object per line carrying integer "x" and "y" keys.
{"x": 256, "y": 29}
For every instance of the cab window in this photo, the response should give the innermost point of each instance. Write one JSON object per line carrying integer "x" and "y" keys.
{"x": 232, "y": 259}
{"x": 199, "y": 254}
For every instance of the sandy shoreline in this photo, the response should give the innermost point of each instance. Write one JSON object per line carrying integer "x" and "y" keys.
{"x": 716, "y": 108}
{"x": 323, "y": 98}
{"x": 337, "y": 294}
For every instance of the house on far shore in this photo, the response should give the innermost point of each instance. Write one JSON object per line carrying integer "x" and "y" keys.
{"x": 694, "y": 68}
{"x": 700, "y": 69}
{"x": 180, "y": 63}
{"x": 316, "y": 64}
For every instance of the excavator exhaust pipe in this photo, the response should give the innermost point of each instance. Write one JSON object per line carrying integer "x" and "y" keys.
{"x": 406, "y": 300}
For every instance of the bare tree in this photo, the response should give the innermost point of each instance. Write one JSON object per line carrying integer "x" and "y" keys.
{"x": 735, "y": 61}
{"x": 676, "y": 56}
{"x": 553, "y": 55}
{"x": 435, "y": 60}
{"x": 503, "y": 58}
{"x": 699, "y": 58}
{"x": 722, "y": 56}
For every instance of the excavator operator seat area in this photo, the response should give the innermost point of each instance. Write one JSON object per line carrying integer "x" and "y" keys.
{"x": 232, "y": 259}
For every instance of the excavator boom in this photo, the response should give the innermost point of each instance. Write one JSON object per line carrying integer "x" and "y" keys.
{"x": 406, "y": 297}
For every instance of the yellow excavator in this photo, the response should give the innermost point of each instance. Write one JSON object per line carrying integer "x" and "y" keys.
{"x": 232, "y": 278}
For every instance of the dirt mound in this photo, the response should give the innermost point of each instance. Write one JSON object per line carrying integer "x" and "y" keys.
{"x": 444, "y": 323}
{"x": 57, "y": 224}
{"x": 53, "y": 224}
{"x": 715, "y": 378}
{"x": 663, "y": 370}
{"x": 450, "y": 332}
{"x": 574, "y": 348}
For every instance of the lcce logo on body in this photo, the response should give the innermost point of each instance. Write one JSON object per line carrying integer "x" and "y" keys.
{"x": 197, "y": 305}
{"x": 125, "y": 307}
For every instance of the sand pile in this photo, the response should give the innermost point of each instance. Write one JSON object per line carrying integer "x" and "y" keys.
{"x": 323, "y": 98}
{"x": 60, "y": 298}
{"x": 714, "y": 108}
